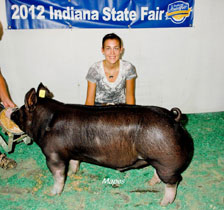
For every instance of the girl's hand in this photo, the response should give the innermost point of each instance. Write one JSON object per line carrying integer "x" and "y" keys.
{"x": 8, "y": 103}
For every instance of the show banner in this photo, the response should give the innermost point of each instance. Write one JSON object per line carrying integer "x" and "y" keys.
{"x": 38, "y": 14}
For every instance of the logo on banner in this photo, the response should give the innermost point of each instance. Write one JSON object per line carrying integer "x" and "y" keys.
{"x": 178, "y": 11}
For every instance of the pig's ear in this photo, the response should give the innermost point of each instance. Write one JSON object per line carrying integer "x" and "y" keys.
{"x": 31, "y": 100}
{"x": 43, "y": 92}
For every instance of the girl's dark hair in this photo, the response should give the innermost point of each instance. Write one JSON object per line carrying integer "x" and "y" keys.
{"x": 111, "y": 36}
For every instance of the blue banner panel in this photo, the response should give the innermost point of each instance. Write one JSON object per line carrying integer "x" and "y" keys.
{"x": 37, "y": 14}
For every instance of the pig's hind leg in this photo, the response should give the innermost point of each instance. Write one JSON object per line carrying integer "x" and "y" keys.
{"x": 155, "y": 179}
{"x": 73, "y": 166}
{"x": 171, "y": 179}
{"x": 170, "y": 190}
{"x": 57, "y": 168}
{"x": 170, "y": 194}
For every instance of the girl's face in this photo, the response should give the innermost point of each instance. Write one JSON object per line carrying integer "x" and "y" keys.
{"x": 112, "y": 50}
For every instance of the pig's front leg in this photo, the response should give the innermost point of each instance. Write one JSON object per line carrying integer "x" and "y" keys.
{"x": 73, "y": 166}
{"x": 57, "y": 168}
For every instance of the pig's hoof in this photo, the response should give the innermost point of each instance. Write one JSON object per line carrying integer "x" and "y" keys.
{"x": 55, "y": 192}
{"x": 154, "y": 180}
{"x": 52, "y": 193}
{"x": 165, "y": 202}
{"x": 170, "y": 194}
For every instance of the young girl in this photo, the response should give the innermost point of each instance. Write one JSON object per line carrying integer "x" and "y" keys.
{"x": 111, "y": 80}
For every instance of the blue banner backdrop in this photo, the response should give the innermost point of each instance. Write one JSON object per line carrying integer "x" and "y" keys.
{"x": 37, "y": 14}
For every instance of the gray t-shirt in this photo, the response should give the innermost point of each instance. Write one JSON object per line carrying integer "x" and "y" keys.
{"x": 110, "y": 92}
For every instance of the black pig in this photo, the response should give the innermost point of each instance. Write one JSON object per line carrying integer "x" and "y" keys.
{"x": 121, "y": 137}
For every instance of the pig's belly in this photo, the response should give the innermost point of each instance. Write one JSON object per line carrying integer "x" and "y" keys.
{"x": 117, "y": 161}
